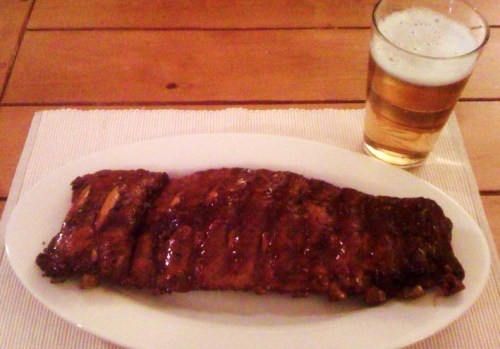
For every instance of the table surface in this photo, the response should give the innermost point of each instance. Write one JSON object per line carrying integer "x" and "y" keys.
{"x": 258, "y": 54}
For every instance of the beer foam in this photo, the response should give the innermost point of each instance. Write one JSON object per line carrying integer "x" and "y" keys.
{"x": 430, "y": 47}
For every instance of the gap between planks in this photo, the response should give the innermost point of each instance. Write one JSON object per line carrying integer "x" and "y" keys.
{"x": 186, "y": 103}
{"x": 489, "y": 192}
{"x": 208, "y": 102}
{"x": 48, "y": 29}
{"x": 80, "y": 29}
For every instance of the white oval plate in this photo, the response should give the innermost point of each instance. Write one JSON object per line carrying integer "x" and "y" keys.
{"x": 239, "y": 319}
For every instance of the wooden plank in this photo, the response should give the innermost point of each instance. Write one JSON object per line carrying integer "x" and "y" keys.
{"x": 14, "y": 126}
{"x": 492, "y": 207}
{"x": 151, "y": 66}
{"x": 199, "y": 66}
{"x": 479, "y": 123}
{"x": 490, "y": 9}
{"x": 12, "y": 18}
{"x": 200, "y": 14}
{"x": 214, "y": 14}
{"x": 485, "y": 80}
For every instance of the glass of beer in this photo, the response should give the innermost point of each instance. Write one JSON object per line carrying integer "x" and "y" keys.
{"x": 422, "y": 52}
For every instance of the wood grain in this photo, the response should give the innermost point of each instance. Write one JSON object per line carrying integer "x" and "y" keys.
{"x": 145, "y": 66}
{"x": 479, "y": 123}
{"x": 485, "y": 80}
{"x": 216, "y": 14}
{"x": 492, "y": 207}
{"x": 14, "y": 127}
{"x": 13, "y": 15}
{"x": 205, "y": 66}
{"x": 490, "y": 9}
{"x": 211, "y": 14}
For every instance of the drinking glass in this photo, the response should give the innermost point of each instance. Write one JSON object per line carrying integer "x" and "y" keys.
{"x": 422, "y": 53}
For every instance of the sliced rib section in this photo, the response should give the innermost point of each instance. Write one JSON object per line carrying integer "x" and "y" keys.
{"x": 97, "y": 236}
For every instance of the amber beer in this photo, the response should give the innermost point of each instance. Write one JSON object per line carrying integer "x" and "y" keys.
{"x": 404, "y": 120}
{"x": 420, "y": 61}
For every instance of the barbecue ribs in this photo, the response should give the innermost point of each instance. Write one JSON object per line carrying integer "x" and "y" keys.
{"x": 258, "y": 230}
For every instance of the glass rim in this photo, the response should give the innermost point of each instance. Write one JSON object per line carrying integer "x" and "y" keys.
{"x": 477, "y": 49}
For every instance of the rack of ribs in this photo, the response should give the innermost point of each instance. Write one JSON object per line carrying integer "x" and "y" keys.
{"x": 251, "y": 230}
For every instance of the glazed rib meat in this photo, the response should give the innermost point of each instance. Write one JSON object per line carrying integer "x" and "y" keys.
{"x": 97, "y": 236}
{"x": 251, "y": 230}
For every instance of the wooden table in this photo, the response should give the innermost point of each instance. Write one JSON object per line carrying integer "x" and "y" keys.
{"x": 213, "y": 54}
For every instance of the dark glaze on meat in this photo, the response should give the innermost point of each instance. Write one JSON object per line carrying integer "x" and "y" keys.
{"x": 257, "y": 230}
{"x": 97, "y": 237}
